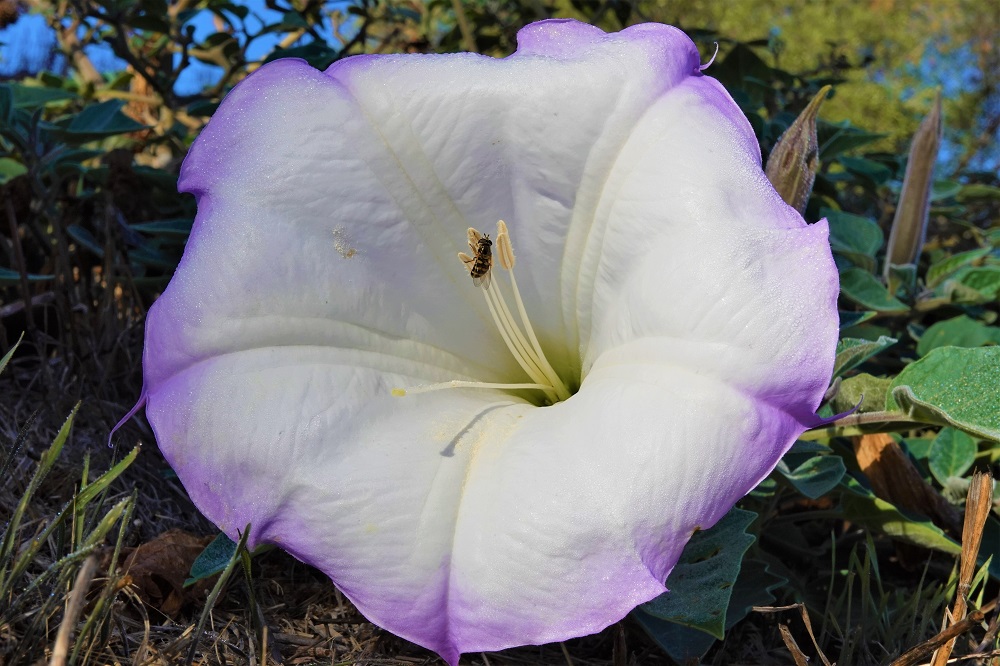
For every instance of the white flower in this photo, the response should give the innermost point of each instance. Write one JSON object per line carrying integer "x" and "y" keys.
{"x": 688, "y": 313}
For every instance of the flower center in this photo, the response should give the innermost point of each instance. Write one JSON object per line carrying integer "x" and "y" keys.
{"x": 517, "y": 333}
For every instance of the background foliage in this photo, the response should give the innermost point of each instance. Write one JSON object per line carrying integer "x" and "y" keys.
{"x": 92, "y": 133}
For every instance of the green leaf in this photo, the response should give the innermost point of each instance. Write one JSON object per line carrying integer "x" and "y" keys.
{"x": 816, "y": 476}
{"x": 874, "y": 390}
{"x": 9, "y": 277}
{"x": 212, "y": 560}
{"x": 10, "y": 353}
{"x": 202, "y": 108}
{"x": 856, "y": 238}
{"x": 919, "y": 447}
{"x": 990, "y": 548}
{"x": 6, "y": 105}
{"x": 701, "y": 584}
{"x": 85, "y": 238}
{"x": 850, "y": 319}
{"x": 684, "y": 644}
{"x": 952, "y": 386}
{"x": 961, "y": 331}
{"x": 147, "y": 255}
{"x": 862, "y": 168}
{"x": 862, "y": 506}
{"x": 98, "y": 121}
{"x": 150, "y": 23}
{"x": 852, "y": 352}
{"x": 687, "y": 645}
{"x": 945, "y": 189}
{"x": 33, "y": 97}
{"x": 863, "y": 288}
{"x": 985, "y": 280}
{"x": 951, "y": 454}
{"x": 837, "y": 139}
{"x": 979, "y": 192}
{"x": 179, "y": 227}
{"x": 86, "y": 495}
{"x": 317, "y": 54}
{"x": 10, "y": 169}
{"x": 941, "y": 270}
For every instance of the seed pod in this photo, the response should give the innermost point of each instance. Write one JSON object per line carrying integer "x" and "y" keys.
{"x": 909, "y": 226}
{"x": 791, "y": 168}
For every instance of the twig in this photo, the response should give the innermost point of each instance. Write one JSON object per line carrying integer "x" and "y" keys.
{"x": 977, "y": 508}
{"x": 991, "y": 630}
{"x": 914, "y": 655}
{"x": 73, "y": 607}
{"x": 805, "y": 621}
{"x": 793, "y": 647}
{"x": 565, "y": 651}
{"x": 17, "y": 306}
{"x": 468, "y": 39}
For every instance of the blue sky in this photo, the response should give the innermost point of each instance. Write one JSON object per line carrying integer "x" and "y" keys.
{"x": 29, "y": 42}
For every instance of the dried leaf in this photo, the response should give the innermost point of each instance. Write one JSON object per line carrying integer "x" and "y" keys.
{"x": 158, "y": 569}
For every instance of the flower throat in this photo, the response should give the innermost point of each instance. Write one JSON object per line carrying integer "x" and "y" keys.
{"x": 517, "y": 334}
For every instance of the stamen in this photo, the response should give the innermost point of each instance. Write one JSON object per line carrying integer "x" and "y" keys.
{"x": 505, "y": 251}
{"x": 522, "y": 344}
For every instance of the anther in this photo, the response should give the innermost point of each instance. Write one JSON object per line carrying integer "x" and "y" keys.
{"x": 505, "y": 250}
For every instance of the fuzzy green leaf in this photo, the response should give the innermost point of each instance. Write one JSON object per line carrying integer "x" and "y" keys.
{"x": 951, "y": 454}
{"x": 687, "y": 645}
{"x": 852, "y": 352}
{"x": 941, "y": 270}
{"x": 849, "y": 319}
{"x": 952, "y": 386}
{"x": 874, "y": 390}
{"x": 961, "y": 331}
{"x": 854, "y": 237}
{"x": 701, "y": 584}
{"x": 864, "y": 289}
{"x": 816, "y": 476}
{"x": 860, "y": 505}
{"x": 985, "y": 280}
{"x": 216, "y": 556}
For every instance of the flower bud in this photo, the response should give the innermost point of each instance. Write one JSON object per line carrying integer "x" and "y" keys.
{"x": 791, "y": 168}
{"x": 909, "y": 226}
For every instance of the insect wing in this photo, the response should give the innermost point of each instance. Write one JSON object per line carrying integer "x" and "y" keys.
{"x": 483, "y": 280}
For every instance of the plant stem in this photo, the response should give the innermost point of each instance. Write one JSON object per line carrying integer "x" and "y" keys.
{"x": 853, "y": 425}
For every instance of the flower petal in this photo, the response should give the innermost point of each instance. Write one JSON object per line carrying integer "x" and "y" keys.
{"x": 657, "y": 266}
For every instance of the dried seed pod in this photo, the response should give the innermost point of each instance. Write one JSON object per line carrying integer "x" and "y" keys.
{"x": 909, "y": 226}
{"x": 792, "y": 165}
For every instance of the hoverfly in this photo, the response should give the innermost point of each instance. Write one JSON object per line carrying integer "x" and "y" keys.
{"x": 481, "y": 261}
